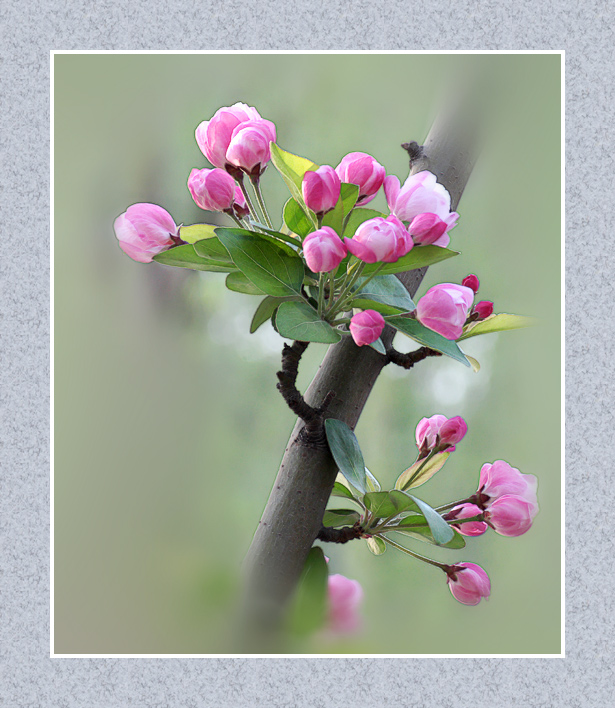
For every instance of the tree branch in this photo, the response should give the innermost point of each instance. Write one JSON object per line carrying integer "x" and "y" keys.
{"x": 292, "y": 518}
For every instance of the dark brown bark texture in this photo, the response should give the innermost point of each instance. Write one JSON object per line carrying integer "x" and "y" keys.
{"x": 292, "y": 518}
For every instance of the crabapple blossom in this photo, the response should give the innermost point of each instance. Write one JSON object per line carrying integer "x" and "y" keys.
{"x": 145, "y": 230}
{"x": 380, "y": 240}
{"x": 468, "y": 583}
{"x": 321, "y": 189}
{"x": 323, "y": 250}
{"x": 363, "y": 170}
{"x": 366, "y": 327}
{"x": 444, "y": 309}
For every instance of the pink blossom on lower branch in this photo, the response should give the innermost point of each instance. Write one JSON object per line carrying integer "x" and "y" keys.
{"x": 467, "y": 511}
{"x": 444, "y": 309}
{"x": 345, "y": 598}
{"x": 145, "y": 230}
{"x": 511, "y": 515}
{"x": 468, "y": 583}
{"x": 366, "y": 327}
{"x": 430, "y": 230}
{"x": 213, "y": 190}
{"x": 500, "y": 478}
{"x": 380, "y": 240}
{"x": 323, "y": 250}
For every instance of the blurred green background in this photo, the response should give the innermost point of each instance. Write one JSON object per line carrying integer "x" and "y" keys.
{"x": 168, "y": 426}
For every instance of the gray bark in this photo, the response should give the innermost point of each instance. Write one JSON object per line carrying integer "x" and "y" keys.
{"x": 293, "y": 515}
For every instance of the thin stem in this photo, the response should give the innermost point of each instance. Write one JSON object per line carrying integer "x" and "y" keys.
{"x": 446, "y": 507}
{"x": 321, "y": 293}
{"x": 345, "y": 222}
{"x": 341, "y": 300}
{"x": 373, "y": 275}
{"x": 236, "y": 220}
{"x": 261, "y": 201}
{"x": 246, "y": 196}
{"x": 319, "y": 218}
{"x": 331, "y": 288}
{"x": 442, "y": 566}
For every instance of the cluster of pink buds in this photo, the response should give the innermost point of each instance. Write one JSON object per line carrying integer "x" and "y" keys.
{"x": 439, "y": 434}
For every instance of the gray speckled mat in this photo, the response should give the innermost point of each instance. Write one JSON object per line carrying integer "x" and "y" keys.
{"x": 29, "y": 677}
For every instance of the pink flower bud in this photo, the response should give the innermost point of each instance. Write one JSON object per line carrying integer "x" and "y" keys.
{"x": 240, "y": 208}
{"x": 500, "y": 479}
{"x": 213, "y": 137}
{"x": 213, "y": 190}
{"x": 468, "y": 583}
{"x": 444, "y": 309}
{"x": 440, "y": 430}
{"x": 483, "y": 309}
{"x": 363, "y": 170}
{"x": 472, "y": 282}
{"x": 380, "y": 240}
{"x": 249, "y": 146}
{"x": 345, "y": 598}
{"x": 366, "y": 327}
{"x": 321, "y": 189}
{"x": 429, "y": 229}
{"x": 324, "y": 250}
{"x": 511, "y": 515}
{"x": 420, "y": 194}
{"x": 467, "y": 511}
{"x": 144, "y": 230}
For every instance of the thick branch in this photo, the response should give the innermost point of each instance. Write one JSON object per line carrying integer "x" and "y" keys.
{"x": 293, "y": 515}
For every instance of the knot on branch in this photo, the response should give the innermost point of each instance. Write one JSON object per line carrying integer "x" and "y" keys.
{"x": 414, "y": 150}
{"x": 407, "y": 361}
{"x": 343, "y": 535}
{"x": 313, "y": 433}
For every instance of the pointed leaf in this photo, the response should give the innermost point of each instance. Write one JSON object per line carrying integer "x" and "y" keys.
{"x": 421, "y": 334}
{"x": 239, "y": 283}
{"x": 441, "y": 531}
{"x": 340, "y": 490}
{"x": 497, "y": 323}
{"x": 376, "y": 545}
{"x": 419, "y": 257}
{"x": 474, "y": 363}
{"x": 309, "y": 605}
{"x": 386, "y": 504}
{"x": 384, "y": 310}
{"x": 292, "y": 168}
{"x": 272, "y": 270}
{"x": 296, "y": 218}
{"x": 427, "y": 470}
{"x": 186, "y": 257}
{"x": 346, "y": 452}
{"x": 373, "y": 485}
{"x": 378, "y": 346}
{"x": 212, "y": 249}
{"x": 386, "y": 289}
{"x": 288, "y": 244}
{"x": 197, "y": 232}
{"x": 265, "y": 309}
{"x": 348, "y": 197}
{"x": 423, "y": 533}
{"x": 359, "y": 216}
{"x": 334, "y": 518}
{"x": 300, "y": 321}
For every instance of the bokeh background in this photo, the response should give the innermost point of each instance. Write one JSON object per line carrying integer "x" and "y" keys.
{"x": 168, "y": 426}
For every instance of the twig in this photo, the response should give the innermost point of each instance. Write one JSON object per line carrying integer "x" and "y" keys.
{"x": 407, "y": 361}
{"x": 343, "y": 535}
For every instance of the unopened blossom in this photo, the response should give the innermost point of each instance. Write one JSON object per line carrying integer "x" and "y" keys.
{"x": 249, "y": 146}
{"x": 511, "y": 515}
{"x": 467, "y": 511}
{"x": 380, "y": 240}
{"x": 344, "y": 598}
{"x": 499, "y": 478}
{"x": 321, "y": 189}
{"x": 213, "y": 190}
{"x": 468, "y": 583}
{"x": 363, "y": 170}
{"x": 429, "y": 229}
{"x": 483, "y": 309}
{"x": 444, "y": 309}
{"x": 472, "y": 282}
{"x": 366, "y": 327}
{"x": 323, "y": 250}
{"x": 145, "y": 230}
{"x": 421, "y": 194}
{"x": 214, "y": 136}
{"x": 441, "y": 431}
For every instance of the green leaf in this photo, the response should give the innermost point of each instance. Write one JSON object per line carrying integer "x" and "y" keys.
{"x": 340, "y": 517}
{"x": 419, "y": 257}
{"x": 497, "y": 323}
{"x": 373, "y": 485}
{"x": 340, "y": 490}
{"x": 427, "y": 470}
{"x": 348, "y": 198}
{"x": 197, "y": 232}
{"x": 272, "y": 270}
{"x": 386, "y": 289}
{"x": 309, "y": 606}
{"x": 378, "y": 346}
{"x": 441, "y": 531}
{"x": 359, "y": 216}
{"x": 213, "y": 250}
{"x": 239, "y": 283}
{"x": 376, "y": 545}
{"x": 186, "y": 257}
{"x": 385, "y": 310}
{"x": 288, "y": 244}
{"x": 346, "y": 452}
{"x": 292, "y": 168}
{"x": 427, "y": 337}
{"x": 474, "y": 363}
{"x": 296, "y": 219}
{"x": 386, "y": 504}
{"x": 299, "y": 320}
{"x": 265, "y": 310}
{"x": 422, "y": 532}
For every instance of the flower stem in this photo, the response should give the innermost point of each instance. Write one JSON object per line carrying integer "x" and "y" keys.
{"x": 261, "y": 201}
{"x": 246, "y": 196}
{"x": 442, "y": 566}
{"x": 321, "y": 293}
{"x": 446, "y": 507}
{"x": 341, "y": 300}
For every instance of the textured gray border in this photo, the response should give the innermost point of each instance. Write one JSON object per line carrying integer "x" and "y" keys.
{"x": 30, "y": 677}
